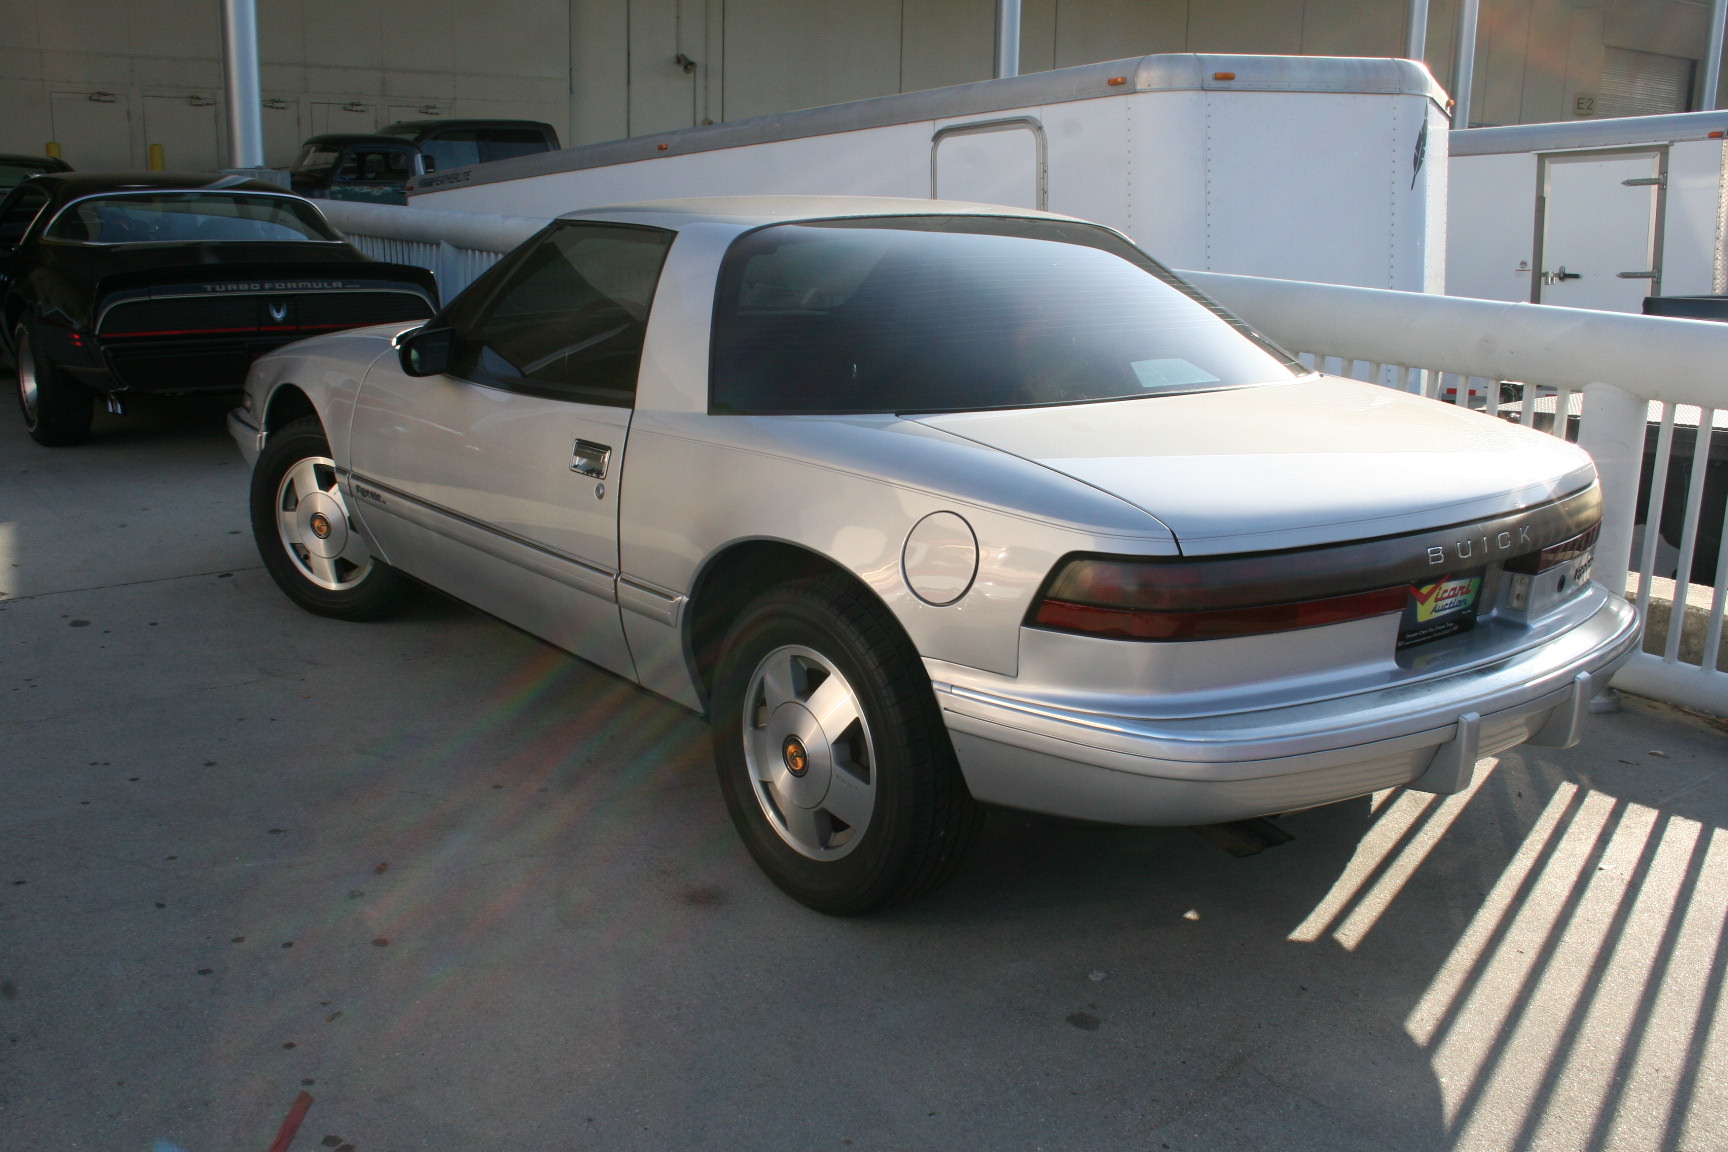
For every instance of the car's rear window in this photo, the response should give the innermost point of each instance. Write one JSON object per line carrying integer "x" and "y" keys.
{"x": 960, "y": 313}
{"x": 454, "y": 147}
{"x": 187, "y": 217}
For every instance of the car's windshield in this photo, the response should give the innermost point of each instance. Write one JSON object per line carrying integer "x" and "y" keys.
{"x": 960, "y": 313}
{"x": 316, "y": 160}
{"x": 188, "y": 217}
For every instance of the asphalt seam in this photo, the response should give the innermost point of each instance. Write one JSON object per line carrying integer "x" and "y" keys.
{"x": 7, "y": 599}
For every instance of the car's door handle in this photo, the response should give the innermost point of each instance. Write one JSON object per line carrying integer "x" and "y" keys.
{"x": 590, "y": 459}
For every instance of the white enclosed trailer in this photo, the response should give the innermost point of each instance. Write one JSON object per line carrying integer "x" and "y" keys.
{"x": 1592, "y": 214}
{"x": 1300, "y": 167}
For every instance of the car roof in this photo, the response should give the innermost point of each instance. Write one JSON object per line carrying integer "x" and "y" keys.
{"x": 344, "y": 139}
{"x": 752, "y": 210}
{"x": 53, "y": 163}
{"x": 430, "y": 125}
{"x": 90, "y": 183}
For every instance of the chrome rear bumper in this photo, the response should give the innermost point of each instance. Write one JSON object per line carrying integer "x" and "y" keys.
{"x": 1129, "y": 770}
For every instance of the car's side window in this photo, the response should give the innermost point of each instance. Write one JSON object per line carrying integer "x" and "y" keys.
{"x": 371, "y": 165}
{"x": 17, "y": 213}
{"x": 569, "y": 319}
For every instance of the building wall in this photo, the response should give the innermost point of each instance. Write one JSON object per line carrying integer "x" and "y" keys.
{"x": 108, "y": 78}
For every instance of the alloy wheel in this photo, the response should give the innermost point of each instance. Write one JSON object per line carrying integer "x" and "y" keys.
{"x": 808, "y": 747}
{"x": 312, "y": 520}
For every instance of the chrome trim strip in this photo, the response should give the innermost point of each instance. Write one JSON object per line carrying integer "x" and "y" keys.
{"x": 279, "y": 291}
{"x": 566, "y": 569}
{"x": 102, "y": 316}
{"x": 658, "y": 604}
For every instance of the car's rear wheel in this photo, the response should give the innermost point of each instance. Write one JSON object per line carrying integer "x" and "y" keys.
{"x": 309, "y": 544}
{"x": 833, "y": 759}
{"x": 57, "y": 411}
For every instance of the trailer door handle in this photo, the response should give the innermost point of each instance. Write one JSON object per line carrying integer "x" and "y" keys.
{"x": 590, "y": 459}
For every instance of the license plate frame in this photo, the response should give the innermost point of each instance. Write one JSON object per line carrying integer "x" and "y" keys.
{"x": 1441, "y": 608}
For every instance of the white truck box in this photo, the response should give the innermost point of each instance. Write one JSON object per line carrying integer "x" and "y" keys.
{"x": 1301, "y": 167}
{"x": 1591, "y": 214}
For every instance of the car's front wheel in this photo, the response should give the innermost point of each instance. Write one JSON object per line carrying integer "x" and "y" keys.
{"x": 57, "y": 411}
{"x": 309, "y": 544}
{"x": 835, "y": 765}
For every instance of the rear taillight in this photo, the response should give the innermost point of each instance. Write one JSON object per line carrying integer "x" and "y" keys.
{"x": 1194, "y": 600}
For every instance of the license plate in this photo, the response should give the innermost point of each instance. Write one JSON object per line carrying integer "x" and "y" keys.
{"x": 1443, "y": 608}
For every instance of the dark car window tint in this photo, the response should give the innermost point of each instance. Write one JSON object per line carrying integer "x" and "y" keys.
{"x": 570, "y": 316}
{"x": 503, "y": 143}
{"x": 961, "y": 313}
{"x": 187, "y": 217}
{"x": 19, "y": 209}
{"x": 454, "y": 147}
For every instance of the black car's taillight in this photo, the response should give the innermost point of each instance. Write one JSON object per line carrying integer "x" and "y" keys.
{"x": 1194, "y": 600}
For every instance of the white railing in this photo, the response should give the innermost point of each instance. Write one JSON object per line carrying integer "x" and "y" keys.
{"x": 456, "y": 246}
{"x": 1638, "y": 378}
{"x": 1611, "y": 381}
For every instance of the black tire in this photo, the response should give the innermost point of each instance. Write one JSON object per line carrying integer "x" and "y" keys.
{"x": 57, "y": 410}
{"x": 913, "y": 830}
{"x": 296, "y": 507}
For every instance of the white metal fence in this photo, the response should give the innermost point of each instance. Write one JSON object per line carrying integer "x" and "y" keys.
{"x": 1627, "y": 388}
{"x": 456, "y": 246}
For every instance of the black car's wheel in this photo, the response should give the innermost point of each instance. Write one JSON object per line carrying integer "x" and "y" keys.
{"x": 57, "y": 411}
{"x": 300, "y": 521}
{"x": 835, "y": 765}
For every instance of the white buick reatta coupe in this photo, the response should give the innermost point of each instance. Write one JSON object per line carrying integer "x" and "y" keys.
{"x": 928, "y": 505}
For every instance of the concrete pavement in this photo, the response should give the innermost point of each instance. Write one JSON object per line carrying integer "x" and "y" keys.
{"x": 471, "y": 893}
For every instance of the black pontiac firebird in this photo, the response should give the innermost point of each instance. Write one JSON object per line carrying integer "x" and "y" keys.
{"x": 171, "y": 282}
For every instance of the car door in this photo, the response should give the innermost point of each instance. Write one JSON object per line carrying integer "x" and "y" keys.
{"x": 498, "y": 480}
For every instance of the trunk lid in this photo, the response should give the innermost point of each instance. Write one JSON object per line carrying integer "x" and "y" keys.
{"x": 1318, "y": 461}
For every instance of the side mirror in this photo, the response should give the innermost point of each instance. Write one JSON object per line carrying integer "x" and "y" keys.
{"x": 426, "y": 351}
{"x": 428, "y": 164}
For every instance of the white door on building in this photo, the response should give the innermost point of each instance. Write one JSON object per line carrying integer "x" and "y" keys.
{"x": 93, "y": 129}
{"x": 344, "y": 116}
{"x": 668, "y": 51}
{"x": 1600, "y": 216}
{"x": 187, "y": 129}
{"x": 990, "y": 162}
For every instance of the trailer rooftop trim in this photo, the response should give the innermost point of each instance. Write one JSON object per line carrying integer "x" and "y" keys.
{"x": 1609, "y": 133}
{"x": 1167, "y": 72}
